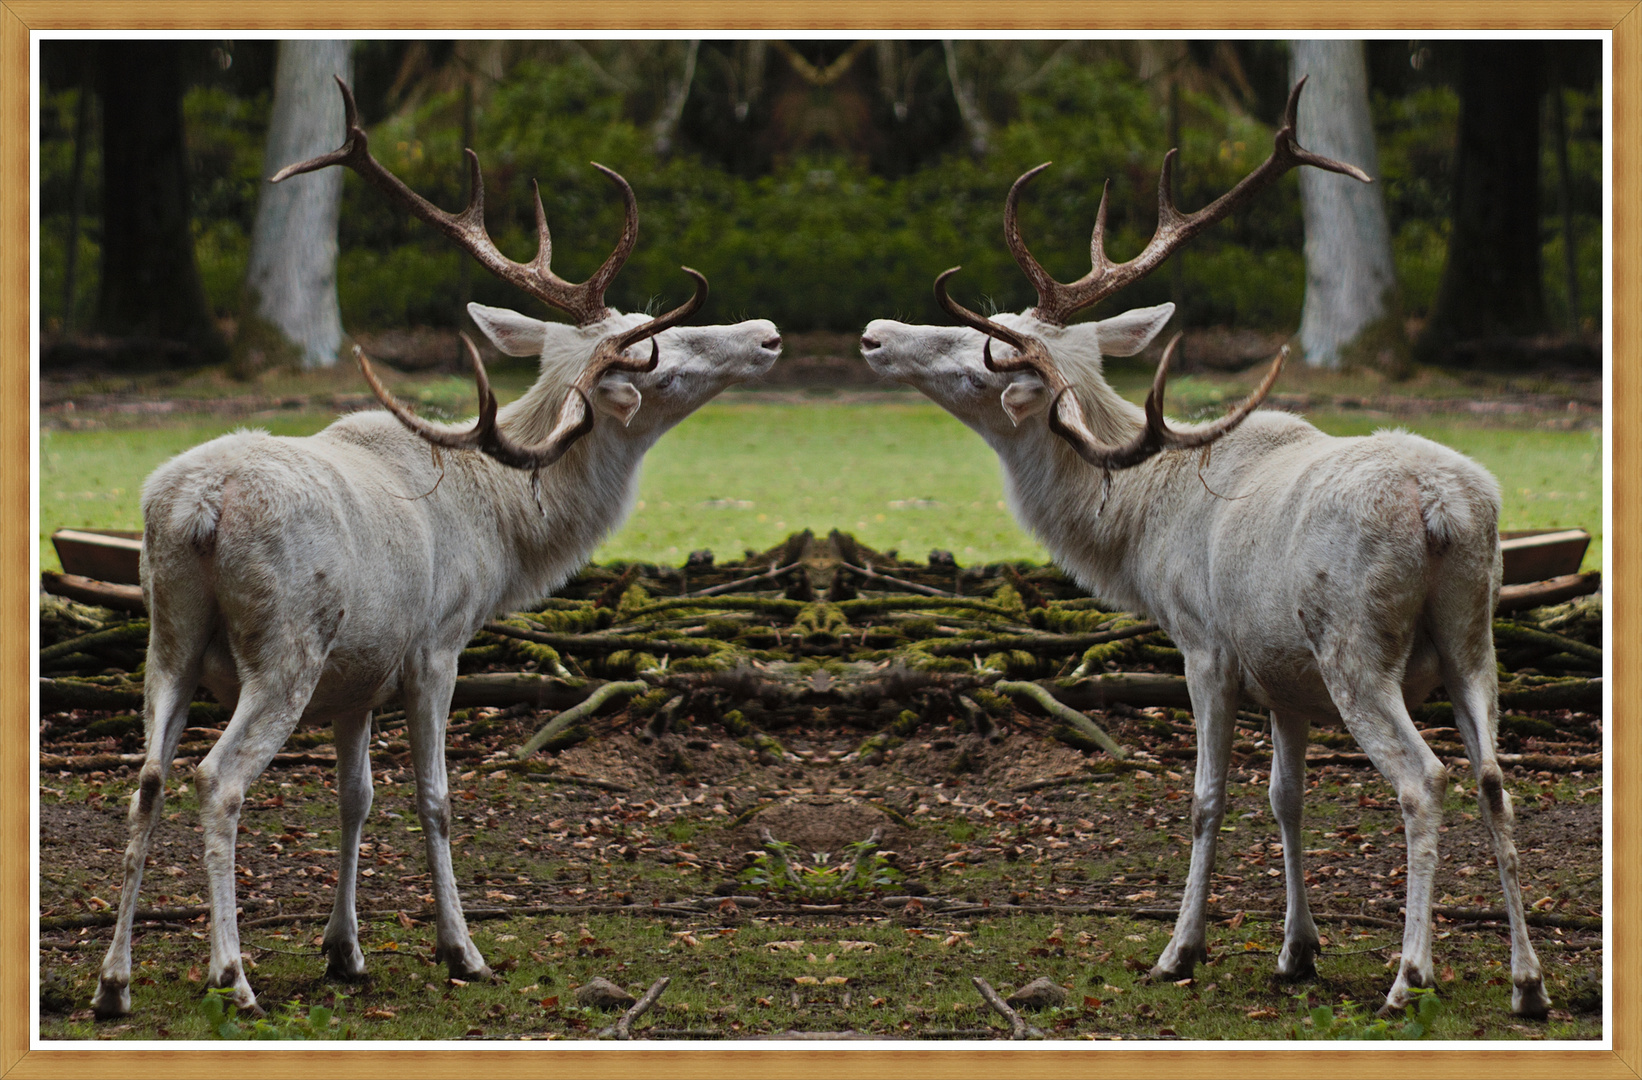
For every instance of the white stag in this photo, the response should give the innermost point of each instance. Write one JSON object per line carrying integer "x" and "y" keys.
{"x": 310, "y": 580}
{"x": 1329, "y": 579}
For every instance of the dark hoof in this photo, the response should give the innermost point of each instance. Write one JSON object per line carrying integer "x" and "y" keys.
{"x": 1530, "y": 1001}
{"x": 336, "y": 973}
{"x": 1299, "y": 967}
{"x": 112, "y": 1001}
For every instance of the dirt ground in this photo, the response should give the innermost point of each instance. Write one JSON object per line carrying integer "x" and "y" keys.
{"x": 622, "y": 823}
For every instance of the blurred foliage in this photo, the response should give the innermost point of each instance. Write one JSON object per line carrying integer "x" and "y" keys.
{"x": 819, "y": 204}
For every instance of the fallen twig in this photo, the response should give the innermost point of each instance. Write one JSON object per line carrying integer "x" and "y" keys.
{"x": 1534, "y": 918}
{"x": 1017, "y": 1026}
{"x": 583, "y": 781}
{"x": 112, "y": 915}
{"x": 1062, "y": 781}
{"x": 624, "y": 1026}
{"x": 900, "y": 583}
{"x": 731, "y": 586}
{"x": 602, "y": 642}
{"x": 107, "y": 762}
{"x": 1067, "y": 643}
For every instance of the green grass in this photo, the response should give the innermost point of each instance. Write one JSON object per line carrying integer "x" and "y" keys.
{"x": 899, "y": 476}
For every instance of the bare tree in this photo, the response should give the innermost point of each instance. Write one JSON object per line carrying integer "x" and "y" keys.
{"x": 1351, "y": 286}
{"x": 290, "y": 309}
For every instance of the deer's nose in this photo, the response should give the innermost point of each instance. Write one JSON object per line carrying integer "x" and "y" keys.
{"x": 772, "y": 343}
{"x": 868, "y": 344}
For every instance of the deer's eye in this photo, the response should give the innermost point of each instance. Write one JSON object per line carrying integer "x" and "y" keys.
{"x": 975, "y": 381}
{"x": 666, "y": 382}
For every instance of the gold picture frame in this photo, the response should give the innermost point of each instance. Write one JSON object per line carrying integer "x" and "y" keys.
{"x": 18, "y": 593}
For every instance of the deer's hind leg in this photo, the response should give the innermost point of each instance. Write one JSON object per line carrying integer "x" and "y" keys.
{"x": 180, "y": 629}
{"x": 354, "y": 791}
{"x": 1469, "y": 674}
{"x": 280, "y": 663}
{"x": 1371, "y": 704}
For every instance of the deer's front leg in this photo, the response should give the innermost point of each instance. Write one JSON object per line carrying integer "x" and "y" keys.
{"x": 1301, "y": 942}
{"x": 1213, "y": 685}
{"x": 428, "y": 687}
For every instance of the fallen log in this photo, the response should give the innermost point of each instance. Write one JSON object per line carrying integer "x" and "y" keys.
{"x": 61, "y": 695}
{"x": 1551, "y": 591}
{"x": 1516, "y": 634}
{"x": 135, "y": 631}
{"x": 91, "y": 591}
{"x": 1123, "y": 687}
{"x": 503, "y": 688}
{"x": 1580, "y": 695}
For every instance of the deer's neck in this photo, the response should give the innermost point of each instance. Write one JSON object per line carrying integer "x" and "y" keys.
{"x": 1107, "y": 535}
{"x": 549, "y": 523}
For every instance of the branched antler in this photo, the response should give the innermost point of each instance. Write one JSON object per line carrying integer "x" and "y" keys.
{"x": 583, "y": 302}
{"x": 1057, "y": 301}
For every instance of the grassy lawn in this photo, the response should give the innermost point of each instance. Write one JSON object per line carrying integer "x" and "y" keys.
{"x": 900, "y": 476}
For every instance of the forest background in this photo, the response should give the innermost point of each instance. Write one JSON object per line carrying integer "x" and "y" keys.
{"x": 820, "y": 184}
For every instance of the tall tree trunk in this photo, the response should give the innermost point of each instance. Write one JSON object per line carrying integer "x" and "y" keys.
{"x": 1351, "y": 313}
{"x": 672, "y": 110}
{"x": 1491, "y": 285}
{"x": 150, "y": 282}
{"x": 290, "y": 308}
{"x": 963, "y": 92}
{"x": 77, "y": 193}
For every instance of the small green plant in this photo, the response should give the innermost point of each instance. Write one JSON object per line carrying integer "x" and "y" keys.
{"x": 222, "y": 1016}
{"x": 1351, "y": 1023}
{"x": 822, "y": 881}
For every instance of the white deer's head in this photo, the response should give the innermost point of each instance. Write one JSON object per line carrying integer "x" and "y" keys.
{"x": 597, "y": 367}
{"x": 1001, "y": 375}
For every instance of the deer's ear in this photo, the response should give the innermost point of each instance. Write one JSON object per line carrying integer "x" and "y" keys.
{"x": 1132, "y": 331}
{"x": 1023, "y": 398}
{"x": 618, "y": 398}
{"x": 509, "y": 331}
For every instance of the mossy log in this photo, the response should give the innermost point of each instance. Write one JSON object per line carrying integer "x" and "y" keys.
{"x": 595, "y": 701}
{"x": 1087, "y": 729}
{"x": 124, "y": 634}
{"x": 1580, "y": 695}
